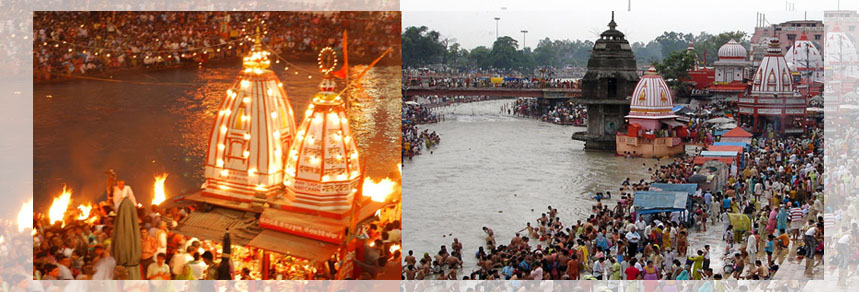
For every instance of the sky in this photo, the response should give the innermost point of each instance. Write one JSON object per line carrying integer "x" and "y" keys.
{"x": 472, "y": 23}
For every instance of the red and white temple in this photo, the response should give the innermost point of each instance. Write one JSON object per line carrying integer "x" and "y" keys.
{"x": 323, "y": 170}
{"x": 652, "y": 130}
{"x": 774, "y": 106}
{"x": 803, "y": 57}
{"x": 253, "y": 128}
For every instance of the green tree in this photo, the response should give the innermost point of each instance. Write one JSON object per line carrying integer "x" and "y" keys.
{"x": 420, "y": 46}
{"x": 479, "y": 57}
{"x": 673, "y": 41}
{"x": 505, "y": 55}
{"x": 675, "y": 68}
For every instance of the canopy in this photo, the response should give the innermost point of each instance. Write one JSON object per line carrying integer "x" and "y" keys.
{"x": 727, "y": 126}
{"x": 125, "y": 245}
{"x": 660, "y": 200}
{"x": 411, "y": 102}
{"x": 720, "y": 120}
{"x": 719, "y": 153}
{"x": 740, "y": 221}
{"x": 672, "y": 123}
{"x": 744, "y": 144}
{"x": 738, "y": 133}
{"x": 701, "y": 160}
{"x": 725, "y": 148}
{"x": 686, "y": 188}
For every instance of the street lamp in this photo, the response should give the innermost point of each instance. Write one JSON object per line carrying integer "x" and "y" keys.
{"x": 496, "y": 27}
{"x": 523, "y": 38}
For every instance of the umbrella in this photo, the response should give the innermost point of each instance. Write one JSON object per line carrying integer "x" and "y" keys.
{"x": 727, "y": 126}
{"x": 225, "y": 269}
{"x": 697, "y": 178}
{"x": 126, "y": 244}
{"x": 720, "y": 120}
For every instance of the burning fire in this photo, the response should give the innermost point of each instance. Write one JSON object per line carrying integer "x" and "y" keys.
{"x": 59, "y": 206}
{"x": 25, "y": 216}
{"x": 378, "y": 191}
{"x": 160, "y": 195}
{"x": 394, "y": 248}
{"x": 85, "y": 210}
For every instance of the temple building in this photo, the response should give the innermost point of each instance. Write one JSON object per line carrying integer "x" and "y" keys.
{"x": 252, "y": 130}
{"x": 701, "y": 77}
{"x": 652, "y": 130}
{"x": 323, "y": 169}
{"x": 609, "y": 81}
{"x": 773, "y": 107}
{"x": 805, "y": 59}
{"x": 731, "y": 68}
{"x": 840, "y": 55}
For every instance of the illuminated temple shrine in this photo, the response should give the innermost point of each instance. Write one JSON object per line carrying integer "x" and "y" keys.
{"x": 652, "y": 130}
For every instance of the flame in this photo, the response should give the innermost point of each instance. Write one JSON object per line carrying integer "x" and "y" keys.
{"x": 394, "y": 248}
{"x": 59, "y": 206}
{"x": 92, "y": 220}
{"x": 85, "y": 210}
{"x": 160, "y": 195}
{"x": 25, "y": 216}
{"x": 378, "y": 191}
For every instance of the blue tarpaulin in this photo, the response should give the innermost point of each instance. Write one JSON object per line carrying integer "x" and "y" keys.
{"x": 660, "y": 200}
{"x": 744, "y": 144}
{"x": 686, "y": 188}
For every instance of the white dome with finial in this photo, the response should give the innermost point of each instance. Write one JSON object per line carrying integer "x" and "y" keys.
{"x": 651, "y": 97}
{"x": 839, "y": 52}
{"x": 803, "y": 56}
{"x": 732, "y": 50}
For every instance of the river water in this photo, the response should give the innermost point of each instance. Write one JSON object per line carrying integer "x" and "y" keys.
{"x": 84, "y": 127}
{"x": 500, "y": 171}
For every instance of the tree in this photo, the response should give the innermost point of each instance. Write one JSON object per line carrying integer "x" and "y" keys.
{"x": 674, "y": 41}
{"x": 479, "y": 57}
{"x": 675, "y": 68}
{"x": 505, "y": 55}
{"x": 421, "y": 47}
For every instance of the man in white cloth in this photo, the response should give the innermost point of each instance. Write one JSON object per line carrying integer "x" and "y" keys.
{"x": 121, "y": 191}
{"x": 752, "y": 246}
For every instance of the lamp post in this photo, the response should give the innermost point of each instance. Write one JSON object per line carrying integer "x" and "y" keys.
{"x": 523, "y": 38}
{"x": 496, "y": 27}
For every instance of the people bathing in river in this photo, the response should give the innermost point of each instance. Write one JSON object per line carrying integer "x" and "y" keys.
{"x": 778, "y": 174}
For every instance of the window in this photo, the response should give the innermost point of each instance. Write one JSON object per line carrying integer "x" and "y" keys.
{"x": 240, "y": 120}
{"x": 817, "y": 37}
{"x": 852, "y": 28}
{"x": 791, "y": 37}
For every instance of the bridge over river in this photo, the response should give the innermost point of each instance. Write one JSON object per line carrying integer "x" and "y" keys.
{"x": 542, "y": 93}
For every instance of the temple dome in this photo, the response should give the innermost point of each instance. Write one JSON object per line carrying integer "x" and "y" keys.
{"x": 773, "y": 75}
{"x": 651, "y": 98}
{"x": 803, "y": 56}
{"x": 732, "y": 50}
{"x": 323, "y": 169}
{"x": 839, "y": 51}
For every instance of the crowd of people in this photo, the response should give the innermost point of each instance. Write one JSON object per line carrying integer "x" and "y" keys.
{"x": 414, "y": 140}
{"x": 567, "y": 113}
{"x": 842, "y": 204}
{"x": 769, "y": 216}
{"x": 474, "y": 81}
{"x": 79, "y": 247}
{"x": 86, "y": 42}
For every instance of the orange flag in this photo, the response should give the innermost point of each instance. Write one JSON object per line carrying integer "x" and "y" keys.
{"x": 345, "y": 69}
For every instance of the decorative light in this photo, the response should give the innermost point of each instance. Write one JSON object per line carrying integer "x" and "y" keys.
{"x": 246, "y": 117}
{"x": 223, "y": 129}
{"x": 276, "y": 134}
{"x": 325, "y": 178}
{"x": 269, "y": 92}
{"x": 273, "y": 115}
{"x": 260, "y": 188}
{"x": 246, "y": 154}
{"x": 246, "y": 100}
{"x": 310, "y": 140}
{"x": 223, "y": 187}
{"x": 339, "y": 156}
{"x": 247, "y": 136}
{"x": 341, "y": 176}
{"x": 245, "y": 83}
{"x": 280, "y": 84}
{"x": 314, "y": 160}
{"x": 227, "y": 112}
{"x": 220, "y": 162}
{"x": 225, "y": 172}
{"x": 252, "y": 171}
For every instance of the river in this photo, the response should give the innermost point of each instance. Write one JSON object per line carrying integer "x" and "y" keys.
{"x": 496, "y": 170}
{"x": 155, "y": 122}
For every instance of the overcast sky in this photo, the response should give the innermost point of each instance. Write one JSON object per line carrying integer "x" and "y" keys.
{"x": 472, "y": 23}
